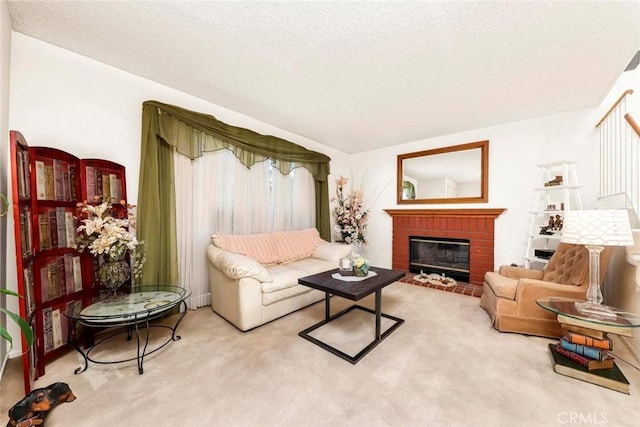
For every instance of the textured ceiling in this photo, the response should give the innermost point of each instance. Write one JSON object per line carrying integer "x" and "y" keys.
{"x": 357, "y": 75}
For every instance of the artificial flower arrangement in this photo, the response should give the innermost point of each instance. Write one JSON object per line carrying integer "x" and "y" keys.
{"x": 108, "y": 236}
{"x": 351, "y": 216}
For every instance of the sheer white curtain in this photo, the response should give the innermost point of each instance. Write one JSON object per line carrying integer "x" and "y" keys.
{"x": 215, "y": 193}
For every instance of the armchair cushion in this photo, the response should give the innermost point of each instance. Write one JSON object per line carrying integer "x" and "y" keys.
{"x": 502, "y": 286}
{"x": 569, "y": 265}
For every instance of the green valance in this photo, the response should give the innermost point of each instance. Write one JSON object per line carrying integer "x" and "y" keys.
{"x": 167, "y": 127}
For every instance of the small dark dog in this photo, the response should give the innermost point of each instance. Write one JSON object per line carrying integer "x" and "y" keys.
{"x": 33, "y": 409}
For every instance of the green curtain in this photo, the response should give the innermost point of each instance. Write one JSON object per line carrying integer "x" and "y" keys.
{"x": 167, "y": 127}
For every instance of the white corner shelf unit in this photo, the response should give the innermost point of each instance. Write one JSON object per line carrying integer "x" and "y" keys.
{"x": 557, "y": 192}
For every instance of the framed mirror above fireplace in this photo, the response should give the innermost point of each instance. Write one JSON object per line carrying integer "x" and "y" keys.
{"x": 455, "y": 174}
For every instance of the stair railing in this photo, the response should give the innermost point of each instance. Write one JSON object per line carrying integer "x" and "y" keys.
{"x": 619, "y": 153}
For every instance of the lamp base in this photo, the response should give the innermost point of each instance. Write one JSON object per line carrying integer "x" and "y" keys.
{"x": 592, "y": 309}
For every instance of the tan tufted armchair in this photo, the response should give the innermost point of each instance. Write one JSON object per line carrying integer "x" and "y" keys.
{"x": 509, "y": 296}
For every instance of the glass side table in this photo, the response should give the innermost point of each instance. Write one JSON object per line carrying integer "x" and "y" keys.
{"x": 622, "y": 323}
{"x": 129, "y": 313}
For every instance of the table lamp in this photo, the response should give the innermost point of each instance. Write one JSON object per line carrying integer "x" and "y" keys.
{"x": 596, "y": 229}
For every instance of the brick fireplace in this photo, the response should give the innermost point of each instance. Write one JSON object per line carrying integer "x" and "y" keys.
{"x": 476, "y": 225}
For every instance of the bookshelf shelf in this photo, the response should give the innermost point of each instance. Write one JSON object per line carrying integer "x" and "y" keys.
{"x": 54, "y": 278}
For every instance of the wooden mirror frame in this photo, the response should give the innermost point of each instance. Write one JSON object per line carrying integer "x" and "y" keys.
{"x": 484, "y": 173}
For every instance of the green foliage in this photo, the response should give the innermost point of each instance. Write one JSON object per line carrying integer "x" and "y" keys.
{"x": 24, "y": 326}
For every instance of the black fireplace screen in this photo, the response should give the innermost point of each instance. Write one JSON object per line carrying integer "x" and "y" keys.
{"x": 439, "y": 255}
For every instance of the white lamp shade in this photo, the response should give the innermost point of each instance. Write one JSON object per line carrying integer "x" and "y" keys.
{"x": 607, "y": 227}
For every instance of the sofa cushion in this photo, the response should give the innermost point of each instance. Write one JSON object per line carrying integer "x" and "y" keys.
{"x": 283, "y": 294}
{"x": 502, "y": 287}
{"x": 237, "y": 266}
{"x": 286, "y": 275}
{"x": 282, "y": 277}
{"x": 271, "y": 248}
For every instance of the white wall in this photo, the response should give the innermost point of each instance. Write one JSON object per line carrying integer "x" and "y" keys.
{"x": 514, "y": 151}
{"x": 5, "y": 259}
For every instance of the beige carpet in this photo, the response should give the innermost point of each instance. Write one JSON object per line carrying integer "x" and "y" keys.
{"x": 444, "y": 366}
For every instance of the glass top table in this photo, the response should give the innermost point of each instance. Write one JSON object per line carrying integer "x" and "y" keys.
{"x": 144, "y": 302}
{"x": 133, "y": 311}
{"x": 567, "y": 307}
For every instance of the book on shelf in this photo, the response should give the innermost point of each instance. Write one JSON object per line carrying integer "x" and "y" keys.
{"x": 29, "y": 288}
{"x": 99, "y": 193}
{"x": 584, "y": 331}
{"x": 44, "y": 232}
{"x": 69, "y": 284}
{"x": 590, "y": 352}
{"x": 24, "y": 174}
{"x": 590, "y": 364}
{"x": 21, "y": 177}
{"x": 47, "y": 328}
{"x": 53, "y": 228}
{"x": 44, "y": 284}
{"x": 106, "y": 188}
{"x": 56, "y": 327}
{"x": 115, "y": 188}
{"x": 66, "y": 193}
{"x": 618, "y": 325}
{"x": 58, "y": 181}
{"x": 49, "y": 182}
{"x": 25, "y": 231}
{"x": 70, "y": 229}
{"x": 582, "y": 339}
{"x": 61, "y": 227}
{"x": 73, "y": 189}
{"x": 77, "y": 274}
{"x": 41, "y": 192}
{"x": 612, "y": 378}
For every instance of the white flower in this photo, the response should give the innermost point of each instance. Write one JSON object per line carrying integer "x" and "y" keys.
{"x": 103, "y": 234}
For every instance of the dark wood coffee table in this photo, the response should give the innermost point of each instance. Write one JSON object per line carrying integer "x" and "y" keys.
{"x": 353, "y": 291}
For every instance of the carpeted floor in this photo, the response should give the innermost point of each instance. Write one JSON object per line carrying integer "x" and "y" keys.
{"x": 444, "y": 366}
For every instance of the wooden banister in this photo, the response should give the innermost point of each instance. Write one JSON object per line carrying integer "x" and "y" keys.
{"x": 615, "y": 104}
{"x": 633, "y": 123}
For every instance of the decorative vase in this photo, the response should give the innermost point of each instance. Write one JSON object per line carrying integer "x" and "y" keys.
{"x": 356, "y": 249}
{"x": 112, "y": 274}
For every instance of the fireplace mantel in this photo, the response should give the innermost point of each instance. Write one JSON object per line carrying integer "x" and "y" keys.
{"x": 475, "y": 225}
{"x": 458, "y": 213}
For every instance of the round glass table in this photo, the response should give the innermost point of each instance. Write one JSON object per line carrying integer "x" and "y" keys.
{"x": 566, "y": 307}
{"x": 130, "y": 313}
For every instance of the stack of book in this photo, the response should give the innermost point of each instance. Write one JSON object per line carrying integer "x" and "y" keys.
{"x": 583, "y": 353}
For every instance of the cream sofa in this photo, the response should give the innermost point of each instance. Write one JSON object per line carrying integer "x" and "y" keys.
{"x": 254, "y": 277}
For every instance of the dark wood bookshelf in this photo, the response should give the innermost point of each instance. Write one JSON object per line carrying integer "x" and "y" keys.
{"x": 52, "y": 275}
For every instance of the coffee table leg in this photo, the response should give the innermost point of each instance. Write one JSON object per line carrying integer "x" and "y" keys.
{"x": 378, "y": 313}
{"x": 327, "y": 306}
